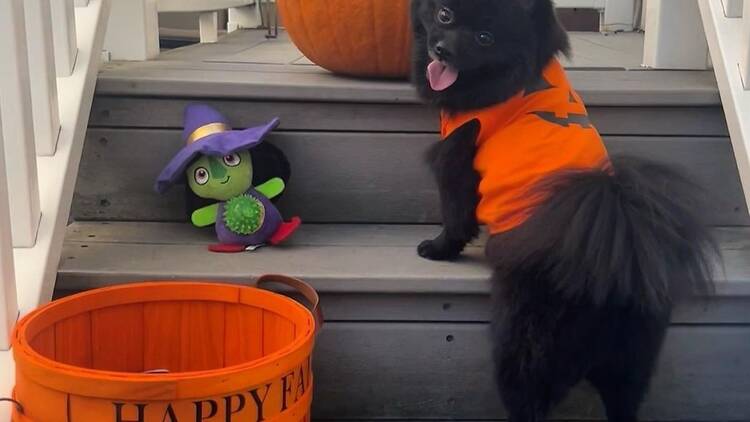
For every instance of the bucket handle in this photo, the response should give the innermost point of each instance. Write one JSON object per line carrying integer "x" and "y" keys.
{"x": 303, "y": 288}
{"x": 19, "y": 406}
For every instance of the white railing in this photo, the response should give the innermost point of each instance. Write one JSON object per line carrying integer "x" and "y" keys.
{"x": 133, "y": 30}
{"x": 727, "y": 27}
{"x": 50, "y": 50}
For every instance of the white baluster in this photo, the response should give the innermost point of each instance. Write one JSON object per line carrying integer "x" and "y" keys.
{"x": 745, "y": 43}
{"x": 618, "y": 15}
{"x": 247, "y": 17}
{"x": 42, "y": 71}
{"x": 18, "y": 127}
{"x": 732, "y": 8}
{"x": 8, "y": 297}
{"x": 209, "y": 27}
{"x": 674, "y": 37}
{"x": 133, "y": 30}
{"x": 64, "y": 34}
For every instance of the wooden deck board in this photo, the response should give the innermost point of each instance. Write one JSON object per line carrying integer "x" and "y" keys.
{"x": 588, "y": 50}
{"x": 416, "y": 330}
{"x": 353, "y": 177}
{"x": 243, "y": 66}
{"x": 167, "y": 113}
{"x": 337, "y": 258}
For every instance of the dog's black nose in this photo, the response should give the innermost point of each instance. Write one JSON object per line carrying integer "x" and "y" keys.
{"x": 442, "y": 51}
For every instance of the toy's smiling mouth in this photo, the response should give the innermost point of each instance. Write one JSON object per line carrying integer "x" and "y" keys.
{"x": 226, "y": 180}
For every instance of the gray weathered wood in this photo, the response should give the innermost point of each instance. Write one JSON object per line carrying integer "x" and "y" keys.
{"x": 244, "y": 65}
{"x": 352, "y": 177}
{"x": 411, "y": 371}
{"x": 309, "y": 83}
{"x": 336, "y": 259}
{"x": 166, "y": 113}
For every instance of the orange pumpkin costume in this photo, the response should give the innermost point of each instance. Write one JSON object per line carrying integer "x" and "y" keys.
{"x": 539, "y": 131}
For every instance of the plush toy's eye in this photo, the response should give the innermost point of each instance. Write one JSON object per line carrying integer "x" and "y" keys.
{"x": 201, "y": 176}
{"x": 232, "y": 160}
{"x": 445, "y": 16}
{"x": 485, "y": 38}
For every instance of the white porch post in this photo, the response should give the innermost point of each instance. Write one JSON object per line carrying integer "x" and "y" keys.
{"x": 208, "y": 23}
{"x": 674, "y": 36}
{"x": 64, "y": 35}
{"x": 8, "y": 297}
{"x": 133, "y": 30}
{"x": 247, "y": 17}
{"x": 745, "y": 41}
{"x": 18, "y": 126}
{"x": 42, "y": 71}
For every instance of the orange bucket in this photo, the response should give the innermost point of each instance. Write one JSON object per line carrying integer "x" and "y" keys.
{"x": 168, "y": 351}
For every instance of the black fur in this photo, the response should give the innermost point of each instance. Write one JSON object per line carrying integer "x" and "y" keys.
{"x": 584, "y": 289}
{"x": 527, "y": 35}
{"x": 453, "y": 165}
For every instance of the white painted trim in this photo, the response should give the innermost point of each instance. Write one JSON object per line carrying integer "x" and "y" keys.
{"x": 82, "y": 3}
{"x": 671, "y": 26}
{"x": 46, "y": 111}
{"x": 6, "y": 383}
{"x": 744, "y": 42}
{"x": 732, "y": 8}
{"x": 580, "y": 4}
{"x": 199, "y": 5}
{"x": 133, "y": 30}
{"x": 18, "y": 126}
{"x": 208, "y": 23}
{"x": 37, "y": 266}
{"x": 64, "y": 35}
{"x": 726, "y": 45}
{"x": 618, "y": 15}
{"x": 244, "y": 18}
{"x": 8, "y": 298}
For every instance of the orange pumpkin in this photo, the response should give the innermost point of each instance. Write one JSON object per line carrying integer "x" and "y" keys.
{"x": 369, "y": 38}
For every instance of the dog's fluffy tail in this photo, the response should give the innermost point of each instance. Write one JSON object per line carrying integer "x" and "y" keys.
{"x": 632, "y": 237}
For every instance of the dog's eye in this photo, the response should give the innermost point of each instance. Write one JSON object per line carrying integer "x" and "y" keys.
{"x": 485, "y": 39}
{"x": 445, "y": 16}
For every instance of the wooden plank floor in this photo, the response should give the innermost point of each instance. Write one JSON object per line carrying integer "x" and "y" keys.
{"x": 604, "y": 68}
{"x": 590, "y": 50}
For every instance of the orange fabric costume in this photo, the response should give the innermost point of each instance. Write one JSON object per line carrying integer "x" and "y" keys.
{"x": 539, "y": 131}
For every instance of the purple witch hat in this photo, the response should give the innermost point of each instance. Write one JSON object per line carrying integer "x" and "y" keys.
{"x": 207, "y": 132}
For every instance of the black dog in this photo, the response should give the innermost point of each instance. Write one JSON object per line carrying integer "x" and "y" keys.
{"x": 584, "y": 283}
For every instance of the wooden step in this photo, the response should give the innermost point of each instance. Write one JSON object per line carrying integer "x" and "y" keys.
{"x": 356, "y": 146}
{"x": 358, "y": 177}
{"x": 407, "y": 338}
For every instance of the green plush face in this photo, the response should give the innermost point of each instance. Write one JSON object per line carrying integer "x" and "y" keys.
{"x": 221, "y": 178}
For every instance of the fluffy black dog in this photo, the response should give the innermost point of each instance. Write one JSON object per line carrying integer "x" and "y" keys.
{"x": 584, "y": 286}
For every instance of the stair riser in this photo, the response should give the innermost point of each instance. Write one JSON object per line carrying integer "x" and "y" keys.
{"x": 167, "y": 113}
{"x": 353, "y": 177}
{"x": 413, "y": 371}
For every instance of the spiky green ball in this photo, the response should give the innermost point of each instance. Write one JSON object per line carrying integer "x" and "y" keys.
{"x": 243, "y": 214}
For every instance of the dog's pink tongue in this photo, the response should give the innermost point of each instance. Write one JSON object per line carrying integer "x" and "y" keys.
{"x": 441, "y": 76}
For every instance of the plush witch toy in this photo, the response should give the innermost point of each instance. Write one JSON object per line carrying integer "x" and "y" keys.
{"x": 217, "y": 163}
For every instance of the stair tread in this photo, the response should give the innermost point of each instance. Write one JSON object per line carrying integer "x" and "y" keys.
{"x": 336, "y": 258}
{"x": 277, "y": 82}
{"x": 245, "y": 65}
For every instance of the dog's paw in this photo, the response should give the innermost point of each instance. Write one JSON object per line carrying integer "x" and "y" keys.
{"x": 437, "y": 251}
